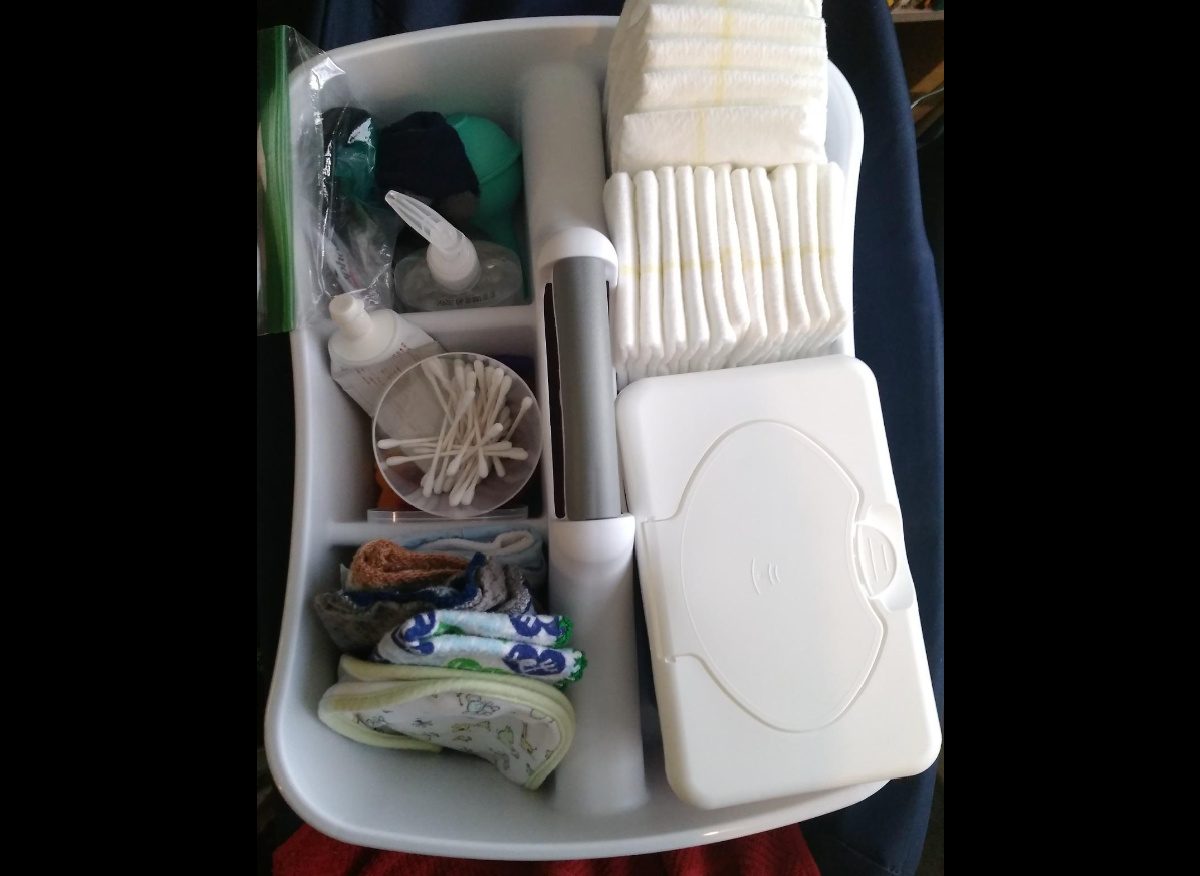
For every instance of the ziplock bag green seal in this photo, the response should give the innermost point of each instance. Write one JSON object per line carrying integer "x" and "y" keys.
{"x": 276, "y": 289}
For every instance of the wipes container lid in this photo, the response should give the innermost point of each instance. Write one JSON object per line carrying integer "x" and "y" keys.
{"x": 782, "y": 619}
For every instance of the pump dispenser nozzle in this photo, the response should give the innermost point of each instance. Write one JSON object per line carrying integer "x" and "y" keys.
{"x": 451, "y": 256}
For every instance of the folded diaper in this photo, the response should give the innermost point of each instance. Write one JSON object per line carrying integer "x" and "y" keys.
{"x": 674, "y": 331}
{"x": 670, "y": 19}
{"x": 757, "y": 337}
{"x": 733, "y": 271}
{"x": 746, "y": 136}
{"x": 674, "y": 72}
{"x": 622, "y": 303}
{"x": 689, "y": 87}
{"x": 707, "y": 83}
{"x": 819, "y": 305}
{"x": 780, "y": 330}
{"x": 722, "y": 337}
{"x": 801, "y": 323}
{"x": 695, "y": 314}
{"x": 830, "y": 192}
{"x": 356, "y": 619}
{"x": 642, "y": 22}
{"x": 650, "y": 339}
{"x": 527, "y": 645}
{"x": 523, "y": 728}
{"x": 635, "y": 9}
{"x": 659, "y": 21}
{"x": 672, "y": 52}
{"x": 716, "y": 115}
{"x": 736, "y": 266}
{"x": 644, "y": 77}
{"x": 695, "y": 88}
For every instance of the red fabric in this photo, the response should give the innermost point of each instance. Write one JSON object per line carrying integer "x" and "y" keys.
{"x": 779, "y": 852}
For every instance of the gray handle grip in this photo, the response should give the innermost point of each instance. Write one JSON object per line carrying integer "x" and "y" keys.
{"x": 591, "y": 473}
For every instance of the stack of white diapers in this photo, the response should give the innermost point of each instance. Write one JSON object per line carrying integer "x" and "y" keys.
{"x": 726, "y": 217}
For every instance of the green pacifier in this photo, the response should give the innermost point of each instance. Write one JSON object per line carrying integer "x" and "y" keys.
{"x": 494, "y": 157}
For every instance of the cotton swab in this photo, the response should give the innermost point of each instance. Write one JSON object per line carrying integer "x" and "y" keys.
{"x": 453, "y": 448}
{"x": 477, "y": 425}
{"x": 526, "y": 404}
{"x": 463, "y": 403}
{"x": 496, "y": 452}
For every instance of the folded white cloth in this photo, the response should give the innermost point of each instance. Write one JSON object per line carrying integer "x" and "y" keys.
{"x": 695, "y": 314}
{"x": 724, "y": 22}
{"x": 635, "y": 9}
{"x": 622, "y": 303}
{"x": 673, "y": 52}
{"x": 690, "y": 87}
{"x": 671, "y": 73}
{"x": 650, "y": 339}
{"x": 750, "y": 136}
{"x": 659, "y": 20}
{"x": 696, "y": 88}
{"x": 674, "y": 329}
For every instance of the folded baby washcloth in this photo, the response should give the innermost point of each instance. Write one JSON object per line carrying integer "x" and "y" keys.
{"x": 484, "y": 585}
{"x": 527, "y": 645}
{"x": 521, "y": 547}
{"x": 356, "y": 619}
{"x": 384, "y": 565}
{"x": 524, "y": 728}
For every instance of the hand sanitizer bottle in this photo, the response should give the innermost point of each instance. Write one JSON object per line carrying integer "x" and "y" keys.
{"x": 453, "y": 272}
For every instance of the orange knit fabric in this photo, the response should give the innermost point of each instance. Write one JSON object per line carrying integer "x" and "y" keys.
{"x": 383, "y": 565}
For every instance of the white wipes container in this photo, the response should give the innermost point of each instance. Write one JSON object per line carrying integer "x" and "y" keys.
{"x": 781, "y": 613}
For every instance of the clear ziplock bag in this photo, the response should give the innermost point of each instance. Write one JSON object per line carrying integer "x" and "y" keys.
{"x": 316, "y": 154}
